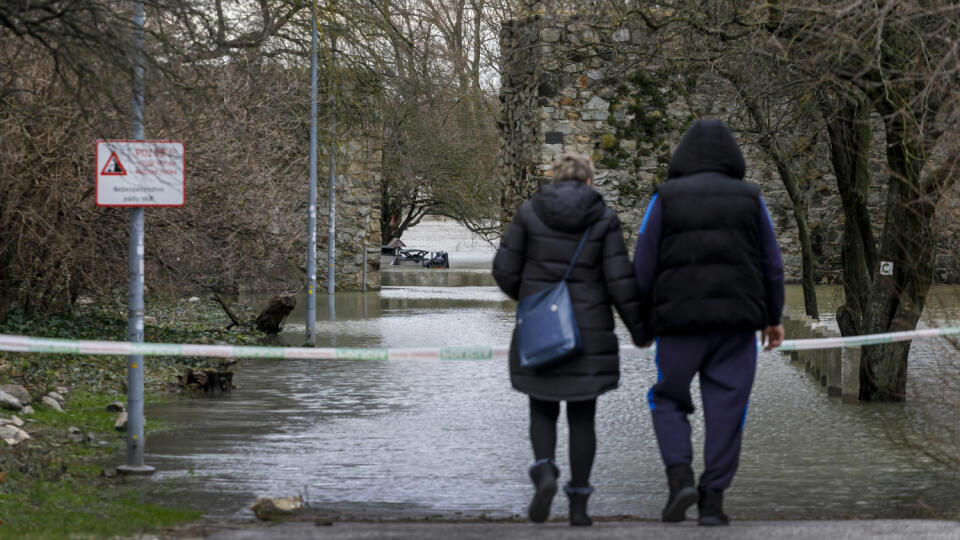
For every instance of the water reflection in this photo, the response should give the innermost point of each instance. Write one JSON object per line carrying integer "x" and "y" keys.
{"x": 427, "y": 437}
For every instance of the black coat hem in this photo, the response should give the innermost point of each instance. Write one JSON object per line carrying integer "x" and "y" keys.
{"x": 574, "y": 397}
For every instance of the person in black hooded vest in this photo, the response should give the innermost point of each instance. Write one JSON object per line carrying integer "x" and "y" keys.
{"x": 710, "y": 275}
{"x": 535, "y": 253}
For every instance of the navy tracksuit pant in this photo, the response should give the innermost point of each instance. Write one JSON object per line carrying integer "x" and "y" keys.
{"x": 726, "y": 362}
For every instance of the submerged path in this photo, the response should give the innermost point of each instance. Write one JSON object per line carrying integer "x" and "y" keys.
{"x": 400, "y": 441}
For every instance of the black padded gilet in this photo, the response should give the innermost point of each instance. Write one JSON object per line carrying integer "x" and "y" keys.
{"x": 709, "y": 276}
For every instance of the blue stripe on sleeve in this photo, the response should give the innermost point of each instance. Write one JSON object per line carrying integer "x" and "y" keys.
{"x": 646, "y": 253}
{"x": 646, "y": 215}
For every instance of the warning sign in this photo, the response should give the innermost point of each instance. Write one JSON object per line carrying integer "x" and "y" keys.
{"x": 140, "y": 173}
{"x": 113, "y": 166}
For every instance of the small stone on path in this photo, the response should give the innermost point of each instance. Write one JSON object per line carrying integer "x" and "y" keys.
{"x": 268, "y": 508}
{"x": 28, "y": 410}
{"x": 57, "y": 397}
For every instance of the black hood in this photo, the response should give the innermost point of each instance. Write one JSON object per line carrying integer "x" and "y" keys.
{"x": 569, "y": 206}
{"x": 708, "y": 146}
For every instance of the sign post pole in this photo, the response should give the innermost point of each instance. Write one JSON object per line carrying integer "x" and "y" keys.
{"x": 135, "y": 441}
{"x": 135, "y": 174}
{"x": 138, "y": 173}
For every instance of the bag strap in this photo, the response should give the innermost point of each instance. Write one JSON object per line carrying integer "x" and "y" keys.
{"x": 576, "y": 254}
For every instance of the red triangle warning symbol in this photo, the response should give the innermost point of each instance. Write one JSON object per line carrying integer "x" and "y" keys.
{"x": 113, "y": 166}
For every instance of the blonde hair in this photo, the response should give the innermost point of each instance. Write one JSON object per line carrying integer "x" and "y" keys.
{"x": 572, "y": 166}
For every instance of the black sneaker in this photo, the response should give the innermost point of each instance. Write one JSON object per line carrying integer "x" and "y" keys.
{"x": 682, "y": 493}
{"x": 544, "y": 475}
{"x": 711, "y": 508}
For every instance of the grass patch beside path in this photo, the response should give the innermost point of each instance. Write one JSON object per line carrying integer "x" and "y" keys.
{"x": 55, "y": 485}
{"x": 85, "y": 508}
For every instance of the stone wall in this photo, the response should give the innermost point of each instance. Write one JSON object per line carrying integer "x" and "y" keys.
{"x": 582, "y": 84}
{"x": 357, "y": 217}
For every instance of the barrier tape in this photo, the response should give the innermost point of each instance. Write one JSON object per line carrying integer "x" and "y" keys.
{"x": 869, "y": 339}
{"x": 28, "y": 344}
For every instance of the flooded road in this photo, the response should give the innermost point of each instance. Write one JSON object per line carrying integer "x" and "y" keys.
{"x": 426, "y": 437}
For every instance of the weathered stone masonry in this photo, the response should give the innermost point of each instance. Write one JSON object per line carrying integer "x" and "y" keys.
{"x": 357, "y": 214}
{"x": 580, "y": 83}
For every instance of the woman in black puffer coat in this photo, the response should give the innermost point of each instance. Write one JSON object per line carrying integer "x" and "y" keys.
{"x": 535, "y": 253}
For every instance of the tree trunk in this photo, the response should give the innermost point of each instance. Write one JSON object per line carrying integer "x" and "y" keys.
{"x": 9, "y": 285}
{"x": 876, "y": 303}
{"x": 807, "y": 281}
{"x": 848, "y": 127}
{"x": 909, "y": 242}
{"x": 883, "y": 372}
{"x": 226, "y": 308}
{"x": 271, "y": 319}
{"x": 770, "y": 145}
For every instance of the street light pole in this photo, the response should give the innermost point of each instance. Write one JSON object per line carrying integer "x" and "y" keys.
{"x": 332, "y": 241}
{"x": 312, "y": 204}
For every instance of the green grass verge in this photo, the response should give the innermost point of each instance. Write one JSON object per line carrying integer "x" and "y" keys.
{"x": 54, "y": 487}
{"x": 75, "y": 508}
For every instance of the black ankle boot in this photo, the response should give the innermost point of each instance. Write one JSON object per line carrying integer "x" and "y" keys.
{"x": 711, "y": 508}
{"x": 578, "y": 505}
{"x": 682, "y": 493}
{"x": 544, "y": 475}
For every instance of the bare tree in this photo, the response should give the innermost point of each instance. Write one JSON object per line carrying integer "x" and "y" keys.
{"x": 440, "y": 140}
{"x": 231, "y": 78}
{"x": 899, "y": 59}
{"x": 896, "y": 60}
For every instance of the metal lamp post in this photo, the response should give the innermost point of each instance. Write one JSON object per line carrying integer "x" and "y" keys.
{"x": 332, "y": 241}
{"x": 312, "y": 204}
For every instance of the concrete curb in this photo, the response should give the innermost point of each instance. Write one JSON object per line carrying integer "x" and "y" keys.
{"x": 750, "y": 530}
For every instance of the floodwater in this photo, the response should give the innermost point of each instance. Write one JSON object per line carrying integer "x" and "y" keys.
{"x": 419, "y": 437}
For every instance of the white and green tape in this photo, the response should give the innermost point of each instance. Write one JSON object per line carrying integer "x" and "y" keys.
{"x": 869, "y": 339}
{"x": 28, "y": 344}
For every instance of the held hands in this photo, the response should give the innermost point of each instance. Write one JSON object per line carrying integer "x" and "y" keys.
{"x": 772, "y": 336}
